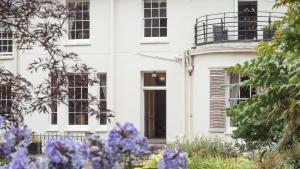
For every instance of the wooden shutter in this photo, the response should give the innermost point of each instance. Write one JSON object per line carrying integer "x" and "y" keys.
{"x": 217, "y": 101}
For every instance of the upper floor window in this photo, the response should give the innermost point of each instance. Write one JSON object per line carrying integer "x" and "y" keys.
{"x": 6, "y": 43}
{"x": 78, "y": 99}
{"x": 155, "y": 18}
{"x": 79, "y": 23}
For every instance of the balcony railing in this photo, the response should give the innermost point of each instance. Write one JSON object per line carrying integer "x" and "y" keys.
{"x": 235, "y": 27}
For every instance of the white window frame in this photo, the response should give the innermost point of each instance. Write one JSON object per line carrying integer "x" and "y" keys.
{"x": 103, "y": 99}
{"x": 156, "y": 39}
{"x": 52, "y": 112}
{"x": 230, "y": 128}
{"x": 8, "y": 53}
{"x": 80, "y": 42}
{"x": 74, "y": 99}
{"x": 6, "y": 99}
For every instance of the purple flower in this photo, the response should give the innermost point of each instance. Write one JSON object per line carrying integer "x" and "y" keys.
{"x": 100, "y": 155}
{"x": 5, "y": 150}
{"x": 20, "y": 137}
{"x": 66, "y": 153}
{"x": 127, "y": 140}
{"x": 173, "y": 159}
{"x": 1, "y": 120}
{"x": 19, "y": 160}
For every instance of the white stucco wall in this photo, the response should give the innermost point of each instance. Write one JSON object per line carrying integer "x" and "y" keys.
{"x": 117, "y": 46}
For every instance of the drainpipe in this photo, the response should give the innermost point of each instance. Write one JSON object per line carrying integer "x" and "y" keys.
{"x": 188, "y": 95}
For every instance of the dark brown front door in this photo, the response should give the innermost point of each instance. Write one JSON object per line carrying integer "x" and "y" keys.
{"x": 155, "y": 113}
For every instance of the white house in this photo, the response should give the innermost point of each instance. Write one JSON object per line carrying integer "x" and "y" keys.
{"x": 160, "y": 62}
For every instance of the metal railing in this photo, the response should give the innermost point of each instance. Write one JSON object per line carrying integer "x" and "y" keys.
{"x": 44, "y": 137}
{"x": 235, "y": 26}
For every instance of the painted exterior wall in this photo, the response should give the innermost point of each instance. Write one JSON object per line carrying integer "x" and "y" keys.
{"x": 117, "y": 46}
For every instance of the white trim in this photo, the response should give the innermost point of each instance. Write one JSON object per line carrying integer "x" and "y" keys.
{"x": 78, "y": 42}
{"x": 154, "y": 88}
{"x": 155, "y": 40}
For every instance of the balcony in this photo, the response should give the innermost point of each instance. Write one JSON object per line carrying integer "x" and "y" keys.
{"x": 246, "y": 26}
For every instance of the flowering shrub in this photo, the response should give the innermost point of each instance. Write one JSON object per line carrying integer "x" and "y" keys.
{"x": 123, "y": 149}
{"x": 173, "y": 159}
{"x": 66, "y": 154}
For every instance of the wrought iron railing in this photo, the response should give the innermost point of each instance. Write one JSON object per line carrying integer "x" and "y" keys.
{"x": 44, "y": 137}
{"x": 235, "y": 26}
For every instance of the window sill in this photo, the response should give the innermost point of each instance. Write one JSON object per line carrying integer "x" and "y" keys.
{"x": 85, "y": 42}
{"x": 6, "y": 57}
{"x": 78, "y": 128}
{"x": 102, "y": 129}
{"x": 53, "y": 128}
{"x": 155, "y": 41}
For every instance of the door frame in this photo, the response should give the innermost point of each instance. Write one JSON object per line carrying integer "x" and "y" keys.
{"x": 143, "y": 89}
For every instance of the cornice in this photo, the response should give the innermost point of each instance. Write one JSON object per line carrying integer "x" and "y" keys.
{"x": 236, "y": 47}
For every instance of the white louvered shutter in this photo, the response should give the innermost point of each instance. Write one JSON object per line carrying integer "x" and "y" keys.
{"x": 217, "y": 101}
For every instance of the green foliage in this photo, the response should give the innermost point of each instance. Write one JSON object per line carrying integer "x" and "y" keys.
{"x": 219, "y": 163}
{"x": 272, "y": 117}
{"x": 206, "y": 148}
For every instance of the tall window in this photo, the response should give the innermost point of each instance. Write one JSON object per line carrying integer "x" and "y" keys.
{"x": 78, "y": 99}
{"x": 238, "y": 94}
{"x": 103, "y": 98}
{"x": 155, "y": 18}
{"x": 5, "y": 97}
{"x": 53, "y": 99}
{"x": 6, "y": 43}
{"x": 79, "y": 23}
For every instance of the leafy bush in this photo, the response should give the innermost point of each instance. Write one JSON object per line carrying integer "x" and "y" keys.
{"x": 196, "y": 162}
{"x": 206, "y": 148}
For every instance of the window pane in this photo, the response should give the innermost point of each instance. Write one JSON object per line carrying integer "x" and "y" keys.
{"x": 154, "y": 12}
{"x": 71, "y": 119}
{"x": 155, "y": 32}
{"x": 71, "y": 80}
{"x": 84, "y": 93}
{"x": 103, "y": 106}
{"x": 147, "y": 32}
{"x": 71, "y": 106}
{"x": 102, "y": 92}
{"x": 155, "y": 23}
{"x": 86, "y": 25}
{"x": 147, "y": 4}
{"x": 85, "y": 106}
{"x": 54, "y": 118}
{"x": 163, "y": 12}
{"x": 244, "y": 92}
{"x": 147, "y": 22}
{"x": 77, "y": 93}
{"x": 85, "y": 34}
{"x": 147, "y": 13}
{"x": 163, "y": 22}
{"x": 154, "y": 79}
{"x": 103, "y": 118}
{"x": 78, "y": 106}
{"x": 86, "y": 16}
{"x": 154, "y": 3}
{"x": 79, "y": 15}
{"x": 163, "y": 4}
{"x": 163, "y": 32}
{"x": 85, "y": 6}
{"x": 71, "y": 93}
